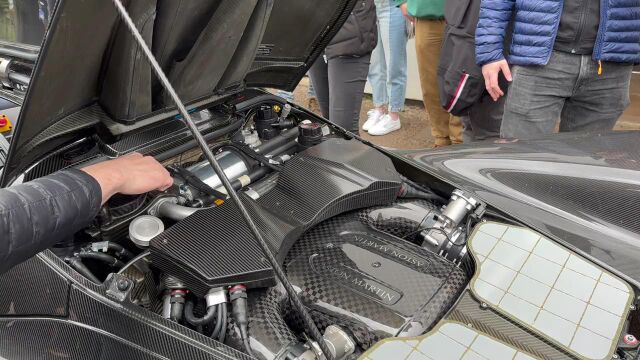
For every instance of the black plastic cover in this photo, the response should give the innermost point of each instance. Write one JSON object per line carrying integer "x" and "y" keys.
{"x": 214, "y": 247}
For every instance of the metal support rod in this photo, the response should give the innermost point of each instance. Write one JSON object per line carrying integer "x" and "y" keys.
{"x": 310, "y": 326}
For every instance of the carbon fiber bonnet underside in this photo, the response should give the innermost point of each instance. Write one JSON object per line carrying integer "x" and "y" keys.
{"x": 214, "y": 247}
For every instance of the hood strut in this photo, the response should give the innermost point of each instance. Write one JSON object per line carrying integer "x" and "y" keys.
{"x": 310, "y": 326}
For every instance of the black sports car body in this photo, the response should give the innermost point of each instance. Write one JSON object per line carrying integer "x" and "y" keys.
{"x": 518, "y": 250}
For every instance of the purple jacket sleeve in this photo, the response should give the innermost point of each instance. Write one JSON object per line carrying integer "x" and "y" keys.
{"x": 37, "y": 214}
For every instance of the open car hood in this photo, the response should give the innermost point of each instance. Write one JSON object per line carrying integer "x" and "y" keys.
{"x": 90, "y": 72}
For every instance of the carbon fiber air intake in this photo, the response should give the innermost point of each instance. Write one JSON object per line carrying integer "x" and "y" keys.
{"x": 215, "y": 248}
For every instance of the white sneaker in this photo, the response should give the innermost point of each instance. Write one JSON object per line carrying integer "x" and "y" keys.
{"x": 373, "y": 116}
{"x": 385, "y": 126}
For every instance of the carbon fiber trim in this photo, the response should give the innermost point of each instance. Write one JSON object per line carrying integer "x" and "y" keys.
{"x": 32, "y": 288}
{"x": 154, "y": 140}
{"x": 378, "y": 282}
{"x": 41, "y": 338}
{"x": 96, "y": 327}
{"x": 269, "y": 335}
{"x": 331, "y": 178}
{"x": 84, "y": 118}
{"x": 400, "y": 219}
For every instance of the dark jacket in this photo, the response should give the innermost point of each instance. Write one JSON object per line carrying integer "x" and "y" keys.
{"x": 37, "y": 214}
{"x": 359, "y": 34}
{"x": 578, "y": 27}
{"x": 460, "y": 81}
{"x": 535, "y": 28}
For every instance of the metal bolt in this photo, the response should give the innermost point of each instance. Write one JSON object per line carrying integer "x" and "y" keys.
{"x": 122, "y": 285}
{"x": 376, "y": 264}
{"x": 329, "y": 245}
{"x": 484, "y": 305}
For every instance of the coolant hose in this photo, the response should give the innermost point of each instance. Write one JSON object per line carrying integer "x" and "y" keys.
{"x": 77, "y": 264}
{"x": 196, "y": 321}
{"x": 269, "y": 335}
{"x": 105, "y": 258}
{"x": 285, "y": 137}
{"x": 119, "y": 250}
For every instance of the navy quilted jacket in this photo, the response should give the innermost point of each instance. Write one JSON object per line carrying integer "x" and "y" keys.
{"x": 536, "y": 25}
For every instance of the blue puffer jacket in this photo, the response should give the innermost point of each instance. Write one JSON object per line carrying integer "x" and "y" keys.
{"x": 536, "y": 25}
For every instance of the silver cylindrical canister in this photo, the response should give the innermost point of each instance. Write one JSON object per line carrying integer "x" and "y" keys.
{"x": 233, "y": 164}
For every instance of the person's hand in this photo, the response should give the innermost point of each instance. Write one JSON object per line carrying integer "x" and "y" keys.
{"x": 129, "y": 174}
{"x": 405, "y": 13}
{"x": 490, "y": 72}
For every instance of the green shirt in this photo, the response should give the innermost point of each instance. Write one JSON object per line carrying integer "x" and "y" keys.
{"x": 430, "y": 9}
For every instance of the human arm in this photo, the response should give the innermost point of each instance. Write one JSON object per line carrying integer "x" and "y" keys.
{"x": 402, "y": 4}
{"x": 490, "y": 34}
{"x": 37, "y": 214}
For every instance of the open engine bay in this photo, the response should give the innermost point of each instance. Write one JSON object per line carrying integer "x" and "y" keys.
{"x": 374, "y": 256}
{"x": 315, "y": 244}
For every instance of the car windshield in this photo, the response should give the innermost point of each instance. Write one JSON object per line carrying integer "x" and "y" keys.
{"x": 25, "y": 21}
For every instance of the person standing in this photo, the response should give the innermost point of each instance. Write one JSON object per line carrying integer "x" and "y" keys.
{"x": 462, "y": 86}
{"x": 428, "y": 16}
{"x": 388, "y": 70}
{"x": 339, "y": 76}
{"x": 571, "y": 60}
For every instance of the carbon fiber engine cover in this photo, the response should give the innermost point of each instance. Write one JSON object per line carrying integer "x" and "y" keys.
{"x": 214, "y": 247}
{"x": 364, "y": 278}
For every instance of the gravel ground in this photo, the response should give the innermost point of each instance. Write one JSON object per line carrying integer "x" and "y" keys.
{"x": 416, "y": 134}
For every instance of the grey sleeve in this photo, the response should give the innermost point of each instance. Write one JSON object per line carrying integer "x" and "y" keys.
{"x": 37, "y": 214}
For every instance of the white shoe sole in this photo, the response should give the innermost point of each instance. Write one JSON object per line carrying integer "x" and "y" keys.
{"x": 385, "y": 131}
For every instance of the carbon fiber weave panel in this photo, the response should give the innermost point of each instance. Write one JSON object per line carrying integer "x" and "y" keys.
{"x": 367, "y": 279}
{"x": 32, "y": 288}
{"x": 97, "y": 326}
{"x": 214, "y": 247}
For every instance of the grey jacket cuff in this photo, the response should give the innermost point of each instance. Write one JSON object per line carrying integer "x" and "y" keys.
{"x": 42, "y": 212}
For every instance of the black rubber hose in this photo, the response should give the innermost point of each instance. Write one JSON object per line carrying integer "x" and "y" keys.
{"x": 20, "y": 54}
{"x": 119, "y": 250}
{"x": 282, "y": 149}
{"x": 133, "y": 261}
{"x": 225, "y": 319}
{"x": 77, "y": 264}
{"x": 196, "y": 321}
{"x": 105, "y": 258}
{"x": 216, "y": 330}
{"x": 285, "y": 137}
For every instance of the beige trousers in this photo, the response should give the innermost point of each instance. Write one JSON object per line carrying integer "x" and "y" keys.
{"x": 445, "y": 128}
